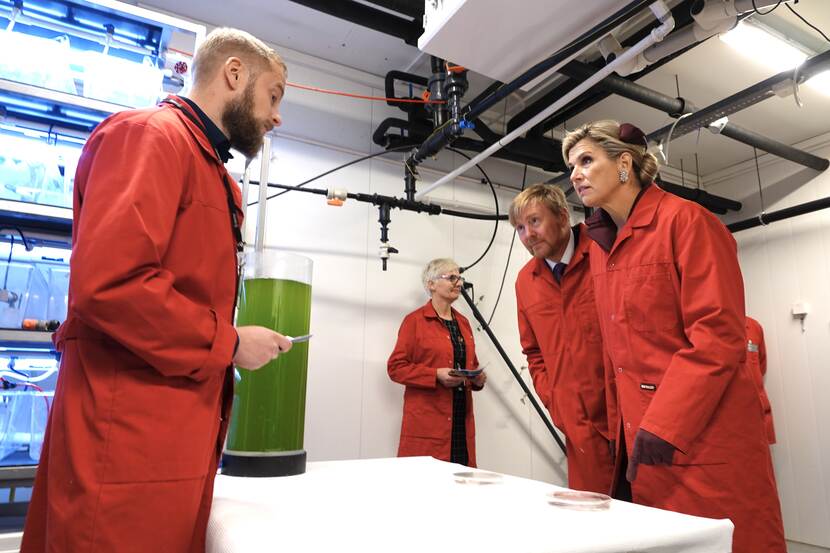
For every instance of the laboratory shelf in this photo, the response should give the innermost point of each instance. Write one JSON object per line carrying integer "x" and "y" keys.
{"x": 24, "y": 338}
{"x": 64, "y": 99}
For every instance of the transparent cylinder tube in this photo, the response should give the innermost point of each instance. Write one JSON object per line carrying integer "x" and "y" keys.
{"x": 269, "y": 403}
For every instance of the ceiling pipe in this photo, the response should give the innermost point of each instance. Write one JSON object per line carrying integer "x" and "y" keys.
{"x": 782, "y": 82}
{"x": 657, "y": 34}
{"x": 780, "y": 215}
{"x": 679, "y": 106}
{"x": 367, "y": 16}
{"x": 715, "y": 204}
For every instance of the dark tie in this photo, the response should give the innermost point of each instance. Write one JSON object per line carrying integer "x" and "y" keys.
{"x": 558, "y": 271}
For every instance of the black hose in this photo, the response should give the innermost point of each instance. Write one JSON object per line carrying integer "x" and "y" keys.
{"x": 495, "y": 199}
{"x": 339, "y": 167}
{"x": 11, "y": 249}
{"x": 507, "y": 263}
{"x": 478, "y": 216}
{"x": 399, "y": 203}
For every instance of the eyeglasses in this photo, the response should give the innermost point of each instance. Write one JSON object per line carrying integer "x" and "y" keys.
{"x": 454, "y": 279}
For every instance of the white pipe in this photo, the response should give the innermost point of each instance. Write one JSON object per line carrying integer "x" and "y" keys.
{"x": 264, "y": 166}
{"x": 246, "y": 186}
{"x": 655, "y": 36}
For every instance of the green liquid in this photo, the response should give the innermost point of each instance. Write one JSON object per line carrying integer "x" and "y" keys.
{"x": 269, "y": 403}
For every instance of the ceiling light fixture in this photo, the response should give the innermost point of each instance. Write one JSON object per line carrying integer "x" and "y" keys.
{"x": 763, "y": 47}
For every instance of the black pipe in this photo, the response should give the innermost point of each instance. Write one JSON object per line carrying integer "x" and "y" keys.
{"x": 417, "y": 129}
{"x": 391, "y": 201}
{"x": 479, "y": 216}
{"x": 389, "y": 88}
{"x": 621, "y": 86}
{"x": 437, "y": 92}
{"x": 480, "y": 318}
{"x": 677, "y": 106}
{"x": 541, "y": 152}
{"x": 780, "y": 215}
{"x": 597, "y": 32}
{"x": 454, "y": 86}
{"x": 379, "y": 136}
{"x": 774, "y": 147}
{"x": 410, "y": 179}
{"x": 749, "y": 96}
{"x": 491, "y": 88}
{"x": 367, "y": 16}
{"x": 715, "y": 204}
{"x": 550, "y": 163}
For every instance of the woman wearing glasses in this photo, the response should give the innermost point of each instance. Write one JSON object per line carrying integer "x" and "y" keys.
{"x": 435, "y": 359}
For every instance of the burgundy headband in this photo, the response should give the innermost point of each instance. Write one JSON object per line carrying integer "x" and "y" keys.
{"x": 633, "y": 135}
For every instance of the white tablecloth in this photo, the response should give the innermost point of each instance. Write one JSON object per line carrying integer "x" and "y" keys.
{"x": 414, "y": 505}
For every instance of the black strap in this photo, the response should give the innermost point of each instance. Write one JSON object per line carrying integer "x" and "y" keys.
{"x": 235, "y": 227}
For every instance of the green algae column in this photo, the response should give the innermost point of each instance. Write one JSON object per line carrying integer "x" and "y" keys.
{"x": 269, "y": 403}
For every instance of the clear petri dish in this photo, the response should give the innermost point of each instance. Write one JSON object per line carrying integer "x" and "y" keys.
{"x": 579, "y": 500}
{"x": 478, "y": 477}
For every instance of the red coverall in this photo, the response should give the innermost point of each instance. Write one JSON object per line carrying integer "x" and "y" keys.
{"x": 756, "y": 358}
{"x": 560, "y": 337}
{"x": 671, "y": 304}
{"x": 145, "y": 386}
{"x": 424, "y": 346}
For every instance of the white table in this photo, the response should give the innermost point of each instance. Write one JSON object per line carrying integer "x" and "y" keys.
{"x": 414, "y": 505}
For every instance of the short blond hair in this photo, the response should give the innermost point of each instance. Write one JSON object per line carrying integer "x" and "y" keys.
{"x": 223, "y": 43}
{"x": 548, "y": 195}
{"x": 606, "y": 134}
{"x": 436, "y": 268}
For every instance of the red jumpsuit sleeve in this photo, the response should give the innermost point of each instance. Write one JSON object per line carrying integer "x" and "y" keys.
{"x": 402, "y": 367}
{"x": 535, "y": 361}
{"x": 711, "y": 301}
{"x": 134, "y": 181}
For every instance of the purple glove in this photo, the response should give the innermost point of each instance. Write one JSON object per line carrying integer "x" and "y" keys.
{"x": 648, "y": 450}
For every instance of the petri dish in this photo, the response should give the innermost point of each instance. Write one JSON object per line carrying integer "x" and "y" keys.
{"x": 579, "y": 500}
{"x": 477, "y": 477}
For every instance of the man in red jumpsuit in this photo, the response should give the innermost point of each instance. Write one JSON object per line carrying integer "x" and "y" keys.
{"x": 560, "y": 334}
{"x": 756, "y": 360}
{"x": 146, "y": 381}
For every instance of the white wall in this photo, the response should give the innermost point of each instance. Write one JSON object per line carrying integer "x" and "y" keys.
{"x": 783, "y": 263}
{"x": 353, "y": 409}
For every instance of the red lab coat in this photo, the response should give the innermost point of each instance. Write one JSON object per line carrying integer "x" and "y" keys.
{"x": 671, "y": 304}
{"x": 423, "y": 347}
{"x": 756, "y": 359}
{"x": 560, "y": 336}
{"x": 144, "y": 390}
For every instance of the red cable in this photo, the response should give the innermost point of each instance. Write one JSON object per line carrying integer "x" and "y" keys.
{"x": 363, "y": 97}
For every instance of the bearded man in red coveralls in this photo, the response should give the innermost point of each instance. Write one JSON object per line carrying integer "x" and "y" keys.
{"x": 146, "y": 381}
